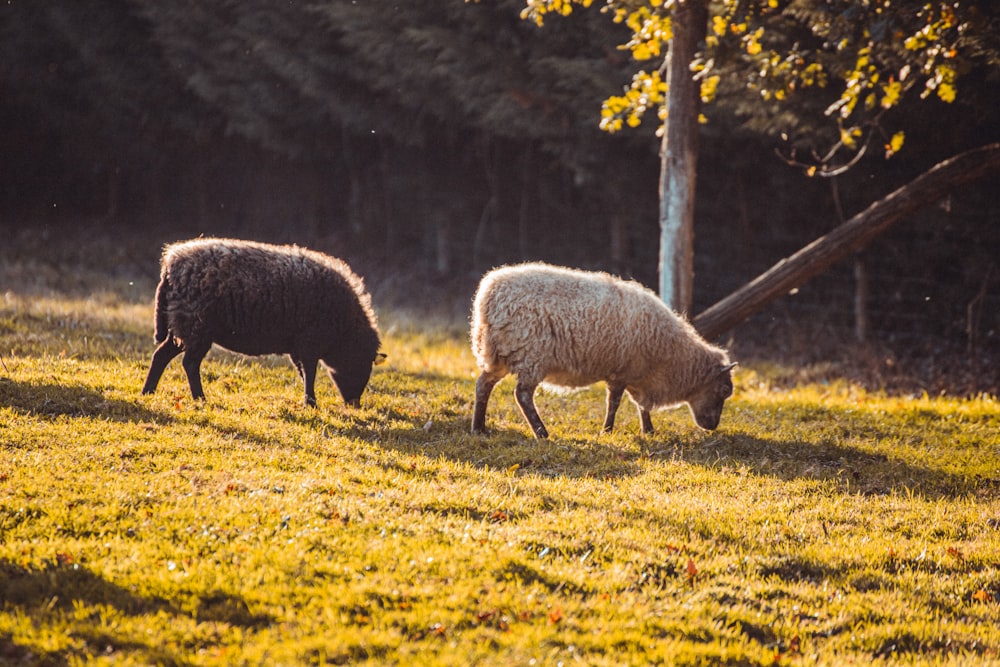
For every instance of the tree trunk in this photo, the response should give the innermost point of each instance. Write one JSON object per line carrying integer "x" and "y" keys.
{"x": 679, "y": 156}
{"x": 847, "y": 238}
{"x": 861, "y": 289}
{"x": 861, "y": 280}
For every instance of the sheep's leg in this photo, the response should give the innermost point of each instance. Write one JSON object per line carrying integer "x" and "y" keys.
{"x": 307, "y": 371}
{"x": 524, "y": 393}
{"x": 192, "y": 366}
{"x": 484, "y": 387}
{"x": 163, "y": 355}
{"x": 645, "y": 420}
{"x": 614, "y": 400}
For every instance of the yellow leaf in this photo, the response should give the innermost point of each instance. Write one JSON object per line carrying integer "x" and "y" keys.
{"x": 890, "y": 94}
{"x": 641, "y": 51}
{"x": 896, "y": 142}
{"x": 708, "y": 88}
{"x": 946, "y": 92}
{"x": 719, "y": 25}
{"x": 611, "y": 125}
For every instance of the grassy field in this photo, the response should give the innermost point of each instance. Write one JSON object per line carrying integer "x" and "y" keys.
{"x": 820, "y": 524}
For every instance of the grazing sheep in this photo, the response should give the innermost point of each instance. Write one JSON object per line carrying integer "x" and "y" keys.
{"x": 574, "y": 328}
{"x": 256, "y": 298}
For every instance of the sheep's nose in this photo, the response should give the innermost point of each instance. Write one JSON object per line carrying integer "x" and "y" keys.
{"x": 709, "y": 422}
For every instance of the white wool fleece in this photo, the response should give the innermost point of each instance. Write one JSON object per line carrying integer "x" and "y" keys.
{"x": 573, "y": 328}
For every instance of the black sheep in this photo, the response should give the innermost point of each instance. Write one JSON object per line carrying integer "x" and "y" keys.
{"x": 255, "y": 298}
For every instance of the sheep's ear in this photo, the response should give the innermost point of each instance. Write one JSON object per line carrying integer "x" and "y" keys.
{"x": 728, "y": 367}
{"x": 380, "y": 359}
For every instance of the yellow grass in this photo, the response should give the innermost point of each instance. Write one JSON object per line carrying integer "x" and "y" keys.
{"x": 820, "y": 525}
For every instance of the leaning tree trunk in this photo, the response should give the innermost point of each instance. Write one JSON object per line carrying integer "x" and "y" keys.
{"x": 679, "y": 156}
{"x": 847, "y": 238}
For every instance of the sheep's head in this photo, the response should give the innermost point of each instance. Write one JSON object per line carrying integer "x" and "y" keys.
{"x": 707, "y": 403}
{"x": 352, "y": 374}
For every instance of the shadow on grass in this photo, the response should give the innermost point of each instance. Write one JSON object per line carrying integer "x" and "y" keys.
{"x": 442, "y": 431}
{"x": 503, "y": 449}
{"x": 12, "y": 653}
{"x": 62, "y": 588}
{"x": 853, "y": 469}
{"x": 55, "y": 400}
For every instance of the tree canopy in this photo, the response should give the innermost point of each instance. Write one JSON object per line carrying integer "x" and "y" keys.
{"x": 824, "y": 75}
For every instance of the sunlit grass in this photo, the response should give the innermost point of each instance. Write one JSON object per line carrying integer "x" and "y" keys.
{"x": 821, "y": 524}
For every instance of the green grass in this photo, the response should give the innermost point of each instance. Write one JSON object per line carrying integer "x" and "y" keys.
{"x": 820, "y": 525}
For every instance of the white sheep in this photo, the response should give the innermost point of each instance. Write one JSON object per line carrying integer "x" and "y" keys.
{"x": 573, "y": 328}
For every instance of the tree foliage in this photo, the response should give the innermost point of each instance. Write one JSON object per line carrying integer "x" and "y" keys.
{"x": 823, "y": 74}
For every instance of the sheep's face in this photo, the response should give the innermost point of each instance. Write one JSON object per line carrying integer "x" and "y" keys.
{"x": 707, "y": 403}
{"x": 352, "y": 384}
{"x": 352, "y": 378}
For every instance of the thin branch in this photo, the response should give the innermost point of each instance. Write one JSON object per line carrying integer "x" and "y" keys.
{"x": 823, "y": 169}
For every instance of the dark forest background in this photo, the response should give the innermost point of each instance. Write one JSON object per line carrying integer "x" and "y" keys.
{"x": 427, "y": 142}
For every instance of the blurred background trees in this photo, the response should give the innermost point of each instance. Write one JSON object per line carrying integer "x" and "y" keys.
{"x": 438, "y": 139}
{"x": 448, "y": 129}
